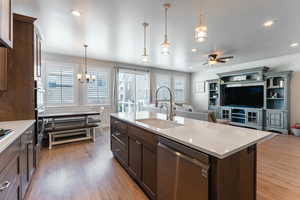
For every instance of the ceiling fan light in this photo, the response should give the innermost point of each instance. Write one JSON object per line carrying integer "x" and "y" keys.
{"x": 212, "y": 62}
{"x": 93, "y": 77}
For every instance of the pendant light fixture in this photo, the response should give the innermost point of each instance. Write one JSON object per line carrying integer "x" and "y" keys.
{"x": 201, "y": 31}
{"x": 165, "y": 45}
{"x": 85, "y": 78}
{"x": 145, "y": 56}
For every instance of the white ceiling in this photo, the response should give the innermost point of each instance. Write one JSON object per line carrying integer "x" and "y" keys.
{"x": 113, "y": 29}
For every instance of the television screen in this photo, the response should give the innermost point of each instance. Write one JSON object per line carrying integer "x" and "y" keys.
{"x": 250, "y": 96}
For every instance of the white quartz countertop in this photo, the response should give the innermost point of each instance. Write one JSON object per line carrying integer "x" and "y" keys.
{"x": 217, "y": 140}
{"x": 18, "y": 127}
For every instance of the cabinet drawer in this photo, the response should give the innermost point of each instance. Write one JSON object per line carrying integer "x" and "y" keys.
{"x": 10, "y": 179}
{"x": 123, "y": 137}
{"x": 9, "y": 153}
{"x": 117, "y": 125}
{"x": 119, "y": 149}
{"x": 148, "y": 138}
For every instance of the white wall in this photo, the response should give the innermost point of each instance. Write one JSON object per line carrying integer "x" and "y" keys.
{"x": 283, "y": 63}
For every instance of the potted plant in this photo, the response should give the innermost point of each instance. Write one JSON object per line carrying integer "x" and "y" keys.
{"x": 296, "y": 129}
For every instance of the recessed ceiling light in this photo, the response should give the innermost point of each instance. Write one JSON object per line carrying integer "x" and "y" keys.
{"x": 269, "y": 23}
{"x": 294, "y": 44}
{"x": 194, "y": 50}
{"x": 76, "y": 13}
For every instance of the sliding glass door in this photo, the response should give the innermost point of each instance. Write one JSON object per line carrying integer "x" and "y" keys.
{"x": 133, "y": 90}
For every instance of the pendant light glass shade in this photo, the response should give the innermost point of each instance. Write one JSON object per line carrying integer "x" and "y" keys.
{"x": 85, "y": 78}
{"x": 165, "y": 48}
{"x": 201, "y": 31}
{"x": 166, "y": 45}
{"x": 145, "y": 56}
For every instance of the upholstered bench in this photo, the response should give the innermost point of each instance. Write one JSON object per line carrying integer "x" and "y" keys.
{"x": 66, "y": 130}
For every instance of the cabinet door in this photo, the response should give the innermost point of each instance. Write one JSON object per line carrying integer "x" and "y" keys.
{"x": 3, "y": 69}
{"x": 226, "y": 114}
{"x": 275, "y": 119}
{"x": 27, "y": 159}
{"x": 5, "y": 23}
{"x": 135, "y": 158}
{"x": 149, "y": 171}
{"x": 180, "y": 176}
{"x": 10, "y": 181}
{"x": 23, "y": 165}
{"x": 252, "y": 117}
{"x": 30, "y": 156}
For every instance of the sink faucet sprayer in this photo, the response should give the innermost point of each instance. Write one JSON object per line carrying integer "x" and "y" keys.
{"x": 170, "y": 114}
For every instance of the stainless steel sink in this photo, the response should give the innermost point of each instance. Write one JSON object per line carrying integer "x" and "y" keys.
{"x": 159, "y": 123}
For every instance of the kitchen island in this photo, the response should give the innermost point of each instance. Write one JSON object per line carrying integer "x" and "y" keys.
{"x": 186, "y": 158}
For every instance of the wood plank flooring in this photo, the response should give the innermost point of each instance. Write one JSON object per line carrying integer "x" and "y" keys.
{"x": 87, "y": 171}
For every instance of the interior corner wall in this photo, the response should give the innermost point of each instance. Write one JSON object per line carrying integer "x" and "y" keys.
{"x": 283, "y": 63}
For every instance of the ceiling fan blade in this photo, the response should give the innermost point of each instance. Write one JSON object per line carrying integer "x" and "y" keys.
{"x": 221, "y": 61}
{"x": 227, "y": 57}
{"x": 205, "y": 63}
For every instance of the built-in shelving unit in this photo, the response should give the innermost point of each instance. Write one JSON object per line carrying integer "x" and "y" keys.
{"x": 214, "y": 96}
{"x": 271, "y": 114}
{"x": 277, "y": 101}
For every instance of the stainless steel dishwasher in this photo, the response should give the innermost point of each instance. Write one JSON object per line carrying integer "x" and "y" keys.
{"x": 182, "y": 173}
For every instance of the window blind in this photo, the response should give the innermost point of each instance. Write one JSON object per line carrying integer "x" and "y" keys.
{"x": 163, "y": 80}
{"x": 98, "y": 91}
{"x": 60, "y": 85}
{"x": 179, "y": 88}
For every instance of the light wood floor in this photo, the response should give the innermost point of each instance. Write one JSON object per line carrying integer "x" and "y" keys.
{"x": 87, "y": 171}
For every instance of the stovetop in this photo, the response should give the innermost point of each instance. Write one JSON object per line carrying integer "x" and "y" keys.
{"x": 4, "y": 132}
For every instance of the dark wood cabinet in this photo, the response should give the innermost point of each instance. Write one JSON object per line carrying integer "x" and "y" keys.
{"x": 27, "y": 162}
{"x": 138, "y": 148}
{"x": 6, "y": 36}
{"x": 20, "y": 73}
{"x": 3, "y": 69}
{"x": 10, "y": 187}
{"x": 168, "y": 170}
{"x": 149, "y": 172}
{"x": 135, "y": 158}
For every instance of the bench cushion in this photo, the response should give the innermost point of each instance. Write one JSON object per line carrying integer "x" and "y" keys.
{"x": 72, "y": 124}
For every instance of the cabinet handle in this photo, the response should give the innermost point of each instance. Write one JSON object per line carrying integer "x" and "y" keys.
{"x": 4, "y": 186}
{"x": 138, "y": 142}
{"x": 117, "y": 134}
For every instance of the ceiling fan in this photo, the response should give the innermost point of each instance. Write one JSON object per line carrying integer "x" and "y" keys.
{"x": 213, "y": 59}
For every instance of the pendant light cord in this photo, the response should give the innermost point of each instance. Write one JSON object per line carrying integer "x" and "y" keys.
{"x": 145, "y": 39}
{"x": 166, "y": 23}
{"x": 85, "y": 58}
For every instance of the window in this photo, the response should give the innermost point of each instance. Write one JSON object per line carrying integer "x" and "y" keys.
{"x": 134, "y": 90}
{"x": 98, "y": 91}
{"x": 179, "y": 88}
{"x": 60, "y": 85}
{"x": 163, "y": 80}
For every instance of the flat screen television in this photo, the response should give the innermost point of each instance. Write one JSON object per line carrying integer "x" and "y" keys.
{"x": 249, "y": 96}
